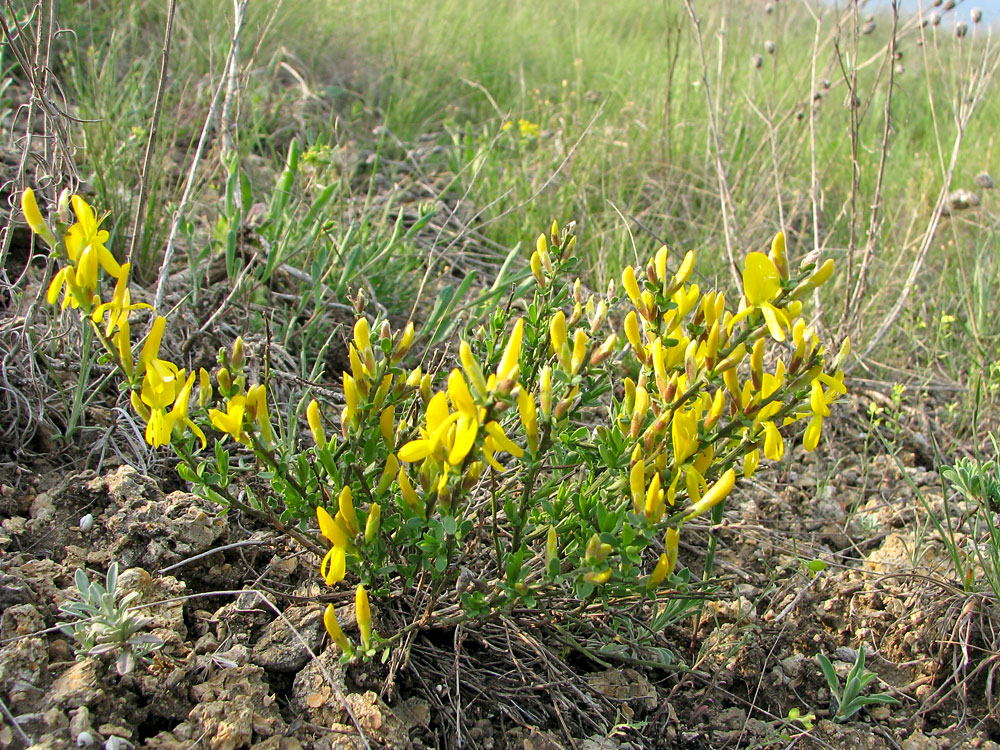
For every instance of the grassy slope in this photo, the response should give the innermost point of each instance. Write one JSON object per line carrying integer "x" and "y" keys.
{"x": 626, "y": 144}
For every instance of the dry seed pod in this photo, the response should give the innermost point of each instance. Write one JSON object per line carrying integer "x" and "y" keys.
{"x": 769, "y": 47}
{"x": 769, "y": 8}
{"x": 949, "y": 4}
{"x": 961, "y": 29}
{"x": 936, "y": 18}
{"x": 758, "y": 61}
{"x": 868, "y": 28}
{"x": 984, "y": 180}
{"x": 976, "y": 14}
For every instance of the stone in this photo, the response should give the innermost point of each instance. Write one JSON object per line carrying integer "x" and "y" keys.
{"x": 286, "y": 643}
{"x": 78, "y": 685}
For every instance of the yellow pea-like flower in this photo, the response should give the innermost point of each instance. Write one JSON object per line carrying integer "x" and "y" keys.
{"x": 536, "y": 269}
{"x": 507, "y": 369}
{"x": 349, "y": 517}
{"x": 580, "y": 341}
{"x": 29, "y": 207}
{"x": 715, "y": 495}
{"x": 633, "y": 336}
{"x": 316, "y": 424}
{"x": 387, "y": 425}
{"x": 631, "y": 286}
{"x": 637, "y": 485}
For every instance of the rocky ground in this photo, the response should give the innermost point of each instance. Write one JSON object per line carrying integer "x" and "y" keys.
{"x": 245, "y": 662}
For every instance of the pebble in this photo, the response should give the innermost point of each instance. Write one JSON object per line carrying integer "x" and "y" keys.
{"x": 87, "y": 523}
{"x": 845, "y": 653}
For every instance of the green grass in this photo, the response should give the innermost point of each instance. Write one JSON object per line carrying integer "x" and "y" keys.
{"x": 404, "y": 96}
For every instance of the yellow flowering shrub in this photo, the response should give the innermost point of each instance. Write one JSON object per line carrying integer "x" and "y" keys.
{"x": 558, "y": 459}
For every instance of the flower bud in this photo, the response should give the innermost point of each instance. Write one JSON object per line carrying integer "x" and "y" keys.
{"x": 333, "y": 628}
{"x": 545, "y": 391}
{"x": 404, "y": 343}
{"x": 29, "y": 207}
{"x": 373, "y": 523}
{"x": 350, "y": 518}
{"x": 236, "y": 358}
{"x": 536, "y": 269}
{"x": 225, "y": 382}
{"x": 364, "y": 615}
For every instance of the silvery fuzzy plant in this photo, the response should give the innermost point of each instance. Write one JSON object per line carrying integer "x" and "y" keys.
{"x": 105, "y": 625}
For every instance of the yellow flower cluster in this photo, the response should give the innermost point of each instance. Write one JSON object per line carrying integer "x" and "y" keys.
{"x": 701, "y": 362}
{"x": 160, "y": 390}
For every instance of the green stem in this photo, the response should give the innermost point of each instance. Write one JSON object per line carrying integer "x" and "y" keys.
{"x": 86, "y": 365}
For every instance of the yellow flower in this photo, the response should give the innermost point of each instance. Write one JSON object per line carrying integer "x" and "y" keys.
{"x": 334, "y": 565}
{"x": 178, "y": 415}
{"x": 637, "y": 485}
{"x": 120, "y": 304}
{"x": 529, "y": 417}
{"x": 685, "y": 435}
{"x": 661, "y": 571}
{"x": 715, "y": 495}
{"x": 333, "y": 628}
{"x": 29, "y": 207}
{"x": 257, "y": 410}
{"x": 364, "y": 615}
{"x": 819, "y": 406}
{"x": 761, "y": 286}
{"x": 404, "y": 343}
{"x": 472, "y": 369}
{"x": 497, "y": 440}
{"x": 231, "y": 420}
{"x": 410, "y": 495}
{"x": 507, "y": 370}
{"x": 348, "y": 517}
{"x": 316, "y": 424}
{"x": 557, "y": 335}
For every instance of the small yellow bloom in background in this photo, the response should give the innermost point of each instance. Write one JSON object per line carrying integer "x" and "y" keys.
{"x": 362, "y": 339}
{"x": 671, "y": 540}
{"x": 387, "y": 425}
{"x": 778, "y": 256}
{"x": 632, "y": 287}
{"x": 545, "y": 391}
{"x": 364, "y": 614}
{"x": 637, "y": 485}
{"x": 409, "y": 494}
{"x": 333, "y": 628}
